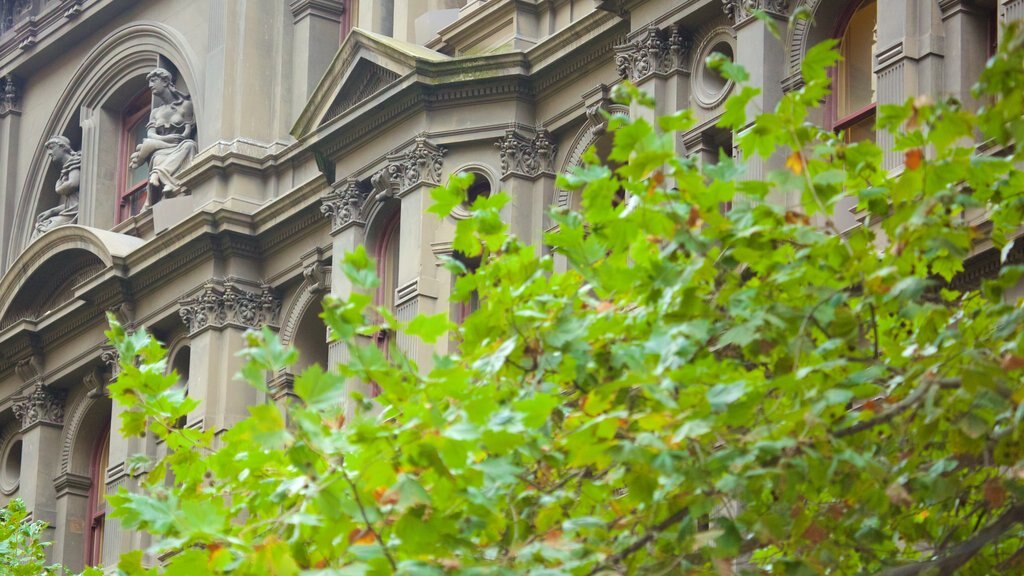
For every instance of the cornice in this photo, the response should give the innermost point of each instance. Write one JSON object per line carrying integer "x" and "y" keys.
{"x": 38, "y": 33}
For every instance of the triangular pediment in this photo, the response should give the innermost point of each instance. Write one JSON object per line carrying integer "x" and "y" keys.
{"x": 365, "y": 80}
{"x": 365, "y": 65}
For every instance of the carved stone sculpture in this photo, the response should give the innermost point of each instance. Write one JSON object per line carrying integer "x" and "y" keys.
{"x": 344, "y": 203}
{"x": 69, "y": 163}
{"x": 170, "y": 138}
{"x": 652, "y": 50}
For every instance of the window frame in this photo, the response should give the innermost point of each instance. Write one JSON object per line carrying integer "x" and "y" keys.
{"x": 97, "y": 511}
{"x": 835, "y": 122}
{"x": 137, "y": 110}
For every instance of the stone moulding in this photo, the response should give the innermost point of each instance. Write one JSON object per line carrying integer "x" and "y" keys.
{"x": 344, "y": 203}
{"x": 42, "y": 405}
{"x": 227, "y": 303}
{"x": 653, "y": 51}
{"x": 524, "y": 156}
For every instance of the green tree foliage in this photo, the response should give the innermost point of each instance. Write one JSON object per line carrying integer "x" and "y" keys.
{"x": 704, "y": 391}
{"x": 22, "y": 552}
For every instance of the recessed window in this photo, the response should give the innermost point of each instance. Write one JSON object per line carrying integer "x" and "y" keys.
{"x": 132, "y": 181}
{"x": 10, "y": 473}
{"x": 97, "y": 500}
{"x": 710, "y": 88}
{"x": 856, "y": 86}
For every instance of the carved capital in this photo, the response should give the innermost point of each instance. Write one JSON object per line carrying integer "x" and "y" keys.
{"x": 344, "y": 203}
{"x": 527, "y": 157}
{"x": 651, "y": 51}
{"x": 419, "y": 164}
{"x": 42, "y": 405}
{"x": 226, "y": 303}
{"x": 740, "y": 10}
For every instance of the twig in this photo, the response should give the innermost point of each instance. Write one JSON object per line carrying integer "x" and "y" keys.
{"x": 963, "y": 552}
{"x": 642, "y": 541}
{"x": 366, "y": 519}
{"x": 900, "y": 407}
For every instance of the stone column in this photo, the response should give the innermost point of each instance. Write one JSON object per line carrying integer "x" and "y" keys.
{"x": 908, "y": 58}
{"x": 216, "y": 316}
{"x": 764, "y": 57}
{"x": 528, "y": 175}
{"x": 10, "y": 120}
{"x": 657, "y": 61}
{"x": 41, "y": 413}
{"x": 315, "y": 39}
{"x": 966, "y": 26}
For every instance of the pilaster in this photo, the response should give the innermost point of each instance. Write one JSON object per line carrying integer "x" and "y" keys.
{"x": 527, "y": 162}
{"x": 216, "y": 317}
{"x": 10, "y": 122}
{"x": 315, "y": 38}
{"x": 41, "y": 415}
{"x": 908, "y": 58}
{"x": 764, "y": 57}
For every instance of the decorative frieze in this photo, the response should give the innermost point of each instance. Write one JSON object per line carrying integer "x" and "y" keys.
{"x": 42, "y": 405}
{"x": 226, "y": 303}
{"x": 344, "y": 203}
{"x": 525, "y": 156}
{"x": 740, "y": 10}
{"x": 653, "y": 50}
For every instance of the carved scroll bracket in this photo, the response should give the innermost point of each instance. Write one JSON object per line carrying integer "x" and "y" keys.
{"x": 10, "y": 100}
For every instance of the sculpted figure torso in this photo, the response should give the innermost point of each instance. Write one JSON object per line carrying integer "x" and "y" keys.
{"x": 170, "y": 138}
{"x": 69, "y": 163}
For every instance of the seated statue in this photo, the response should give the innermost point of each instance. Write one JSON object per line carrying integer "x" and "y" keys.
{"x": 170, "y": 139}
{"x": 69, "y": 163}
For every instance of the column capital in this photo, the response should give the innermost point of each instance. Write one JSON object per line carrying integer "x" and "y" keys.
{"x": 43, "y": 405}
{"x": 229, "y": 302}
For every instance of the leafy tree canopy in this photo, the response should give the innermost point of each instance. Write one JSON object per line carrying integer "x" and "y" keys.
{"x": 703, "y": 391}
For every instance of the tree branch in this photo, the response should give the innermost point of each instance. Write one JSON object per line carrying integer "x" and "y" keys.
{"x": 641, "y": 542}
{"x": 898, "y": 408}
{"x": 963, "y": 552}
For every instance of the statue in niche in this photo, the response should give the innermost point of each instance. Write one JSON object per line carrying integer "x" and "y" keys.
{"x": 170, "y": 138}
{"x": 69, "y": 163}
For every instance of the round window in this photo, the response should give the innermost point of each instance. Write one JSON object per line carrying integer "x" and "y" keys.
{"x": 10, "y": 471}
{"x": 709, "y": 87}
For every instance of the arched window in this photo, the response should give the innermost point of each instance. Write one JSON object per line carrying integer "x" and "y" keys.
{"x": 481, "y": 187}
{"x": 131, "y": 184}
{"x": 855, "y": 86}
{"x": 97, "y": 500}
{"x": 387, "y": 271}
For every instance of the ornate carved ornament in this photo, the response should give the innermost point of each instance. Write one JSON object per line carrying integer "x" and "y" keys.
{"x": 344, "y": 203}
{"x": 740, "y": 10}
{"x": 420, "y": 163}
{"x": 524, "y": 156}
{"x": 9, "y": 101}
{"x": 42, "y": 405}
{"x": 226, "y": 303}
{"x": 653, "y": 51}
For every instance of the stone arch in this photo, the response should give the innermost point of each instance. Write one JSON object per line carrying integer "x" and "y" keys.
{"x": 85, "y": 421}
{"x": 481, "y": 171}
{"x": 586, "y": 136}
{"x": 124, "y": 54}
{"x": 67, "y": 248}
{"x": 309, "y": 293}
{"x": 810, "y": 31}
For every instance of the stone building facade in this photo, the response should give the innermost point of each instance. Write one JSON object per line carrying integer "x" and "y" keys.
{"x": 195, "y": 167}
